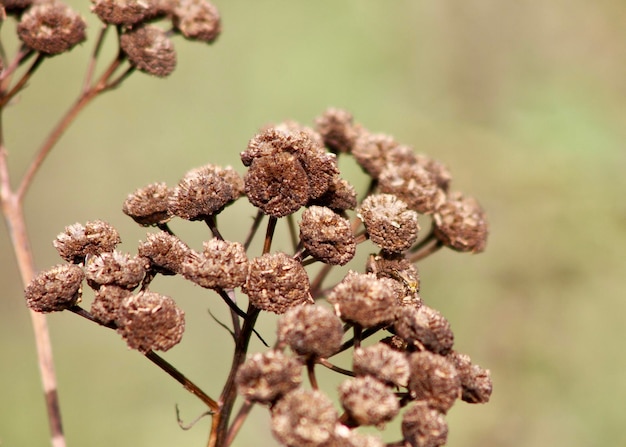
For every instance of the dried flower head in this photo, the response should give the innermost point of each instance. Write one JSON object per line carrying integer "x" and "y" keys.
{"x": 364, "y": 299}
{"x": 15, "y": 7}
{"x": 197, "y": 20}
{"x": 414, "y": 185}
{"x": 423, "y": 426}
{"x": 389, "y": 222}
{"x": 434, "y": 379}
{"x": 149, "y": 49}
{"x": 51, "y": 28}
{"x": 475, "y": 381}
{"x": 107, "y": 303}
{"x": 327, "y": 236}
{"x": 460, "y": 223}
{"x": 337, "y": 128}
{"x": 123, "y": 12}
{"x": 222, "y": 265}
{"x": 149, "y": 205}
{"x": 398, "y": 268}
{"x": 344, "y": 437}
{"x": 368, "y": 401}
{"x": 150, "y": 321}
{"x": 340, "y": 196}
{"x": 276, "y": 282}
{"x": 310, "y": 330}
{"x": 383, "y": 363}
{"x": 371, "y": 151}
{"x": 267, "y": 376}
{"x": 115, "y": 268}
{"x": 442, "y": 174}
{"x": 424, "y": 326}
{"x": 165, "y": 252}
{"x": 304, "y": 418}
{"x": 78, "y": 241}
{"x": 55, "y": 289}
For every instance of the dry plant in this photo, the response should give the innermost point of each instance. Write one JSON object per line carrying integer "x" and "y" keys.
{"x": 403, "y": 366}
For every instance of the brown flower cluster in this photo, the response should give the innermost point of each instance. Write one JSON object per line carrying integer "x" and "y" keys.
{"x": 410, "y": 373}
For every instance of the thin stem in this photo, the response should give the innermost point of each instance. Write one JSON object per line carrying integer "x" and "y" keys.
{"x": 327, "y": 364}
{"x": 316, "y": 284}
{"x": 269, "y": 234}
{"x": 94, "y": 58}
{"x": 23, "y": 80}
{"x": 365, "y": 334}
{"x": 212, "y": 224}
{"x": 253, "y": 229}
{"x": 430, "y": 246}
{"x": 21, "y": 56}
{"x": 242, "y": 414}
{"x": 292, "y": 232}
{"x": 310, "y": 370}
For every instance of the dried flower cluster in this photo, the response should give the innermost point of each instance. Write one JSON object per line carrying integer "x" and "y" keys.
{"x": 411, "y": 373}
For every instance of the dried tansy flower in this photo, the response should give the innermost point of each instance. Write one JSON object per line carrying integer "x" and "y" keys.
{"x": 437, "y": 169}
{"x": 425, "y": 326}
{"x": 304, "y": 418}
{"x": 51, "y": 28}
{"x": 310, "y": 330}
{"x": 265, "y": 377}
{"x": 389, "y": 222}
{"x": 398, "y": 268}
{"x": 165, "y": 252}
{"x": 276, "y": 282}
{"x": 364, "y": 299}
{"x": 107, "y": 303}
{"x": 434, "y": 379}
{"x": 114, "y": 268}
{"x": 340, "y": 196}
{"x": 383, "y": 363}
{"x": 414, "y": 185}
{"x": 222, "y": 265}
{"x": 368, "y": 401}
{"x": 327, "y": 236}
{"x": 123, "y": 12}
{"x": 55, "y": 289}
{"x": 460, "y": 223}
{"x": 78, "y": 241}
{"x": 475, "y": 381}
{"x": 371, "y": 150}
{"x": 337, "y": 129}
{"x": 149, "y": 205}
{"x": 197, "y": 20}
{"x": 149, "y": 49}
{"x": 150, "y": 321}
{"x": 423, "y": 426}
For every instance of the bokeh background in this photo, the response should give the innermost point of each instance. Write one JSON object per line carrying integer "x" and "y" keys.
{"x": 524, "y": 101}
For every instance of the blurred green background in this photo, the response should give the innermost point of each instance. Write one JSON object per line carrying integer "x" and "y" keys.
{"x": 524, "y": 101}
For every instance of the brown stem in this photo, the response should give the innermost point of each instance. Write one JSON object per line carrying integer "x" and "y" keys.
{"x": 337, "y": 369}
{"x": 316, "y": 284}
{"x": 242, "y": 414}
{"x": 269, "y": 234}
{"x": 20, "y": 57}
{"x": 426, "y": 247}
{"x": 310, "y": 370}
{"x": 253, "y": 229}
{"x": 292, "y": 232}
{"x": 24, "y": 79}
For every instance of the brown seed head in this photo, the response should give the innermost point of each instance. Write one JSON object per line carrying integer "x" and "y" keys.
{"x": 165, "y": 252}
{"x": 107, "y": 303}
{"x": 222, "y": 265}
{"x": 368, "y": 401}
{"x": 425, "y": 326}
{"x": 51, "y": 28}
{"x": 304, "y": 418}
{"x": 389, "y": 222}
{"x": 371, "y": 151}
{"x": 398, "y": 268}
{"x": 434, "y": 379}
{"x": 414, "y": 185}
{"x": 197, "y": 20}
{"x": 310, "y": 330}
{"x": 78, "y": 241}
{"x": 340, "y": 196}
{"x": 475, "y": 381}
{"x": 461, "y": 224}
{"x": 276, "y": 282}
{"x": 442, "y": 174}
{"x": 149, "y": 49}
{"x": 383, "y": 363}
{"x": 150, "y": 321}
{"x": 115, "y": 268}
{"x": 337, "y": 129}
{"x": 267, "y": 376}
{"x": 123, "y": 12}
{"x": 423, "y": 426}
{"x": 149, "y": 205}
{"x": 55, "y": 289}
{"x": 364, "y": 299}
{"x": 327, "y": 236}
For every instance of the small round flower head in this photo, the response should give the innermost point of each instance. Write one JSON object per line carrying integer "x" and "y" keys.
{"x": 51, "y": 28}
{"x": 165, "y": 252}
{"x": 150, "y": 321}
{"x": 423, "y": 426}
{"x": 115, "y": 268}
{"x": 340, "y": 196}
{"x": 149, "y": 205}
{"x": 383, "y": 363}
{"x": 222, "y": 265}
{"x": 475, "y": 381}
{"x": 267, "y": 376}
{"x": 425, "y": 326}
{"x": 277, "y": 184}
{"x": 327, "y": 236}
{"x": 78, "y": 241}
{"x": 197, "y": 20}
{"x": 310, "y": 330}
{"x": 389, "y": 222}
{"x": 149, "y": 49}
{"x": 398, "y": 268}
{"x": 55, "y": 289}
{"x": 107, "y": 303}
{"x": 368, "y": 401}
{"x": 337, "y": 129}
{"x": 414, "y": 185}
{"x": 276, "y": 282}
{"x": 364, "y": 299}
{"x": 370, "y": 151}
{"x": 442, "y": 174}
{"x": 461, "y": 224}
{"x": 434, "y": 379}
{"x": 123, "y": 12}
{"x": 344, "y": 437}
{"x": 304, "y": 418}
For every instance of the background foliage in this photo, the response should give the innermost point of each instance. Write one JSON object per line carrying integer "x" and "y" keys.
{"x": 526, "y": 103}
